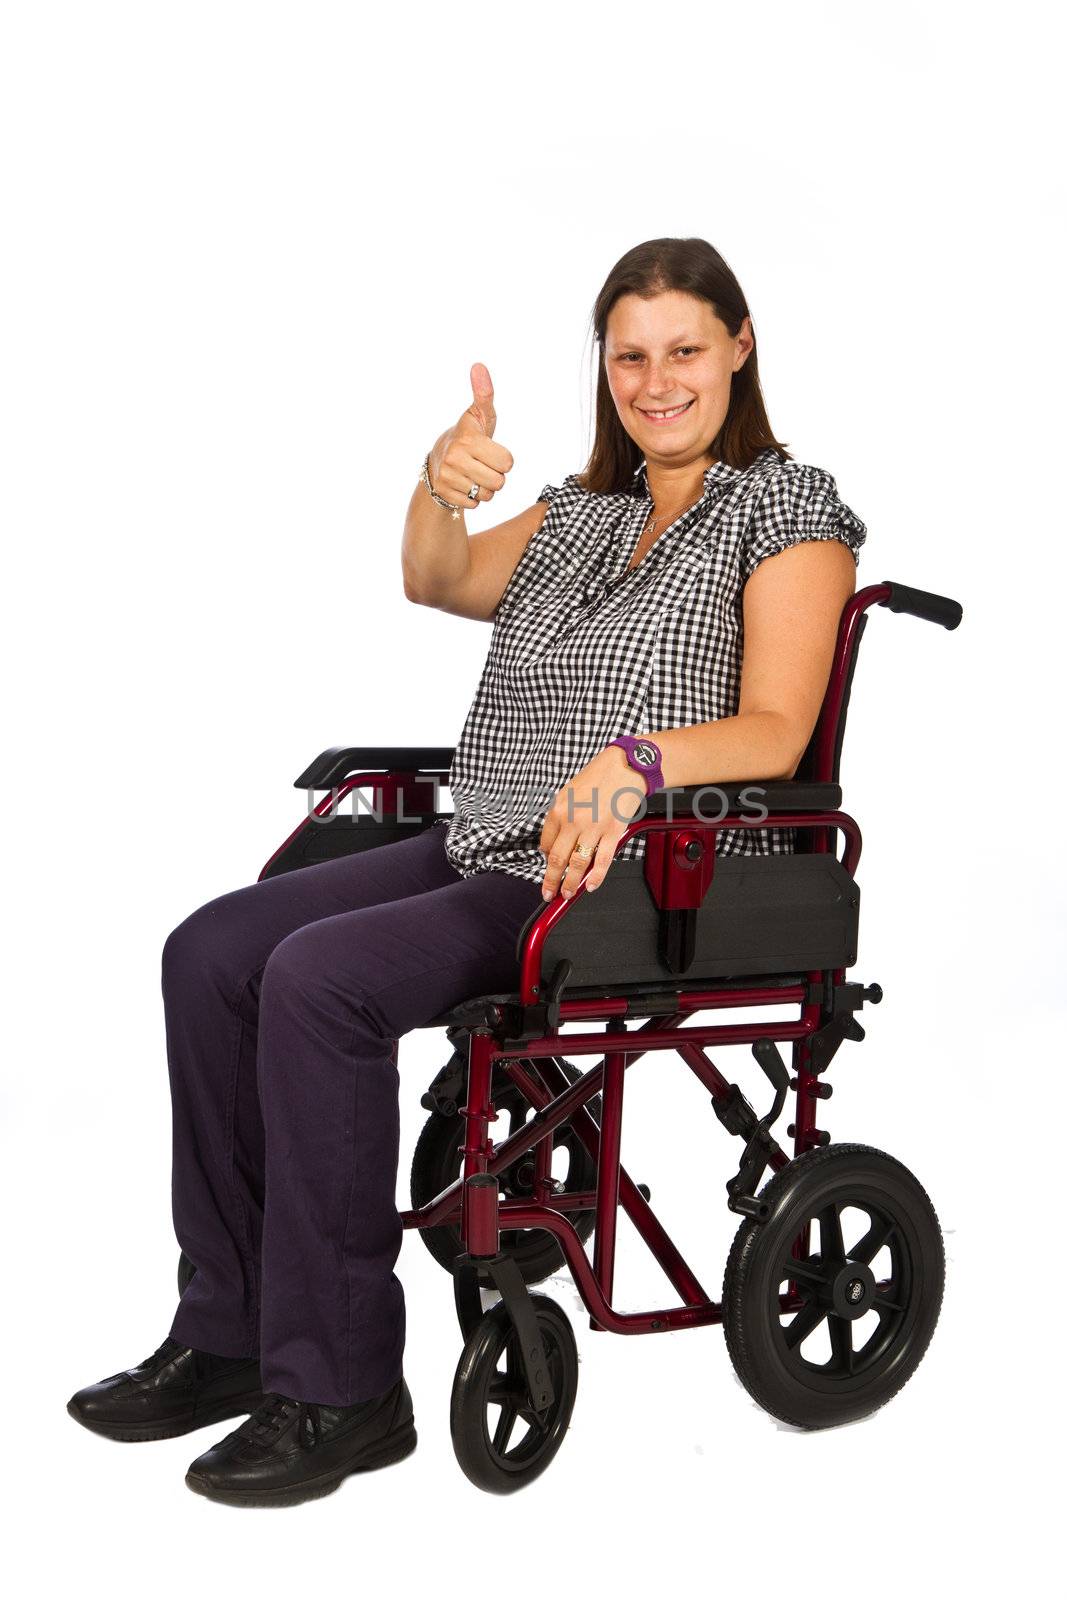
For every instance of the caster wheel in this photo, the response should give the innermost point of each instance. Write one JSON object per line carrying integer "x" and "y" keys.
{"x": 866, "y": 1293}
{"x": 438, "y": 1162}
{"x": 499, "y": 1441}
{"x": 186, "y": 1272}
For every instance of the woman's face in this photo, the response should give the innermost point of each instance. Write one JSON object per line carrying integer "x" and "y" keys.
{"x": 667, "y": 352}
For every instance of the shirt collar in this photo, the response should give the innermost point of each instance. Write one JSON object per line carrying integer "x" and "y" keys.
{"x": 718, "y": 472}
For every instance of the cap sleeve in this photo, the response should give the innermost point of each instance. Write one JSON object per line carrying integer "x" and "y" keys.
{"x": 800, "y": 503}
{"x": 549, "y": 492}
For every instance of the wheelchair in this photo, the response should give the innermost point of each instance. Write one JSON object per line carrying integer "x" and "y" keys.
{"x": 833, "y": 1285}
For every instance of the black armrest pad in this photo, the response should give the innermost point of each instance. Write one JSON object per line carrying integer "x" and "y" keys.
{"x": 335, "y": 764}
{"x": 777, "y": 794}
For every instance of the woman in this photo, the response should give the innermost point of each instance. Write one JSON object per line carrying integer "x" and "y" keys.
{"x": 621, "y": 599}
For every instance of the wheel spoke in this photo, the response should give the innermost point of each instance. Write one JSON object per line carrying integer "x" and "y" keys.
{"x": 841, "y": 1345}
{"x": 884, "y": 1305}
{"x": 831, "y": 1243}
{"x": 878, "y": 1234}
{"x": 802, "y": 1270}
{"x": 804, "y": 1323}
{"x": 502, "y": 1391}
{"x": 502, "y": 1432}
{"x": 529, "y": 1415}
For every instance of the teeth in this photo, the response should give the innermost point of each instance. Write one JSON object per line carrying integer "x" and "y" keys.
{"x": 673, "y": 412}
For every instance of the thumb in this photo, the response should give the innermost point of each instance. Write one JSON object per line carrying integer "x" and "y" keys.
{"x": 482, "y": 408}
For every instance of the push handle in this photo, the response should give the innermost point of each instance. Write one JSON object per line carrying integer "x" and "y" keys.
{"x": 921, "y": 603}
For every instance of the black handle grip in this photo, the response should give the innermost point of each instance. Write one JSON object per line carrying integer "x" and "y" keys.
{"x": 920, "y": 603}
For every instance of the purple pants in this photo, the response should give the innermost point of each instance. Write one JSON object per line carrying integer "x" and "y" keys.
{"x": 284, "y": 1003}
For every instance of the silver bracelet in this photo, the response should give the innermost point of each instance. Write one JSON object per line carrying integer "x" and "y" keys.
{"x": 424, "y": 477}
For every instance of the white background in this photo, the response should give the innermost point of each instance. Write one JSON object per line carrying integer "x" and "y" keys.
{"x": 250, "y": 253}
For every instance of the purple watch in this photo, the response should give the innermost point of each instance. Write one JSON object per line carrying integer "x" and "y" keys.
{"x": 644, "y": 756}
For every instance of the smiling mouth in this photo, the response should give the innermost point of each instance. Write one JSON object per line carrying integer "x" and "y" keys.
{"x": 668, "y": 415}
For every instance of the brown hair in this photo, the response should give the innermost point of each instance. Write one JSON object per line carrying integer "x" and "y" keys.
{"x": 695, "y": 267}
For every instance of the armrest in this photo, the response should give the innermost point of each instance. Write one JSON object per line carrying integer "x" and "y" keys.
{"x": 335, "y": 764}
{"x": 777, "y": 794}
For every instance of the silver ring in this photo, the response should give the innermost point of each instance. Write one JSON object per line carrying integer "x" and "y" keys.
{"x": 472, "y": 492}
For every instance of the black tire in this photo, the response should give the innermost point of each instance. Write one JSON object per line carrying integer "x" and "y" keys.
{"x": 438, "y": 1162}
{"x": 485, "y": 1447}
{"x": 186, "y": 1272}
{"x": 774, "y": 1350}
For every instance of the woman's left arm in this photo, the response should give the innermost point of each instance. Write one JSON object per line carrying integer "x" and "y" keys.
{"x": 792, "y": 607}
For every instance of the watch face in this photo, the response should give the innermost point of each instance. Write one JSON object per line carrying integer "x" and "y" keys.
{"x": 645, "y": 755}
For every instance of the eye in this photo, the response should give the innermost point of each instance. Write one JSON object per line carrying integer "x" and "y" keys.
{"x": 689, "y": 347}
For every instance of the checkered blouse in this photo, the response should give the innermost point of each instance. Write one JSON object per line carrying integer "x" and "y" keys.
{"x": 583, "y": 649}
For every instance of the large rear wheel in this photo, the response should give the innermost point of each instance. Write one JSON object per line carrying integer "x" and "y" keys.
{"x": 829, "y": 1305}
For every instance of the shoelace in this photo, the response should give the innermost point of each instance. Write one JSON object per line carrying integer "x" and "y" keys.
{"x": 166, "y": 1352}
{"x": 275, "y": 1413}
{"x": 204, "y": 1365}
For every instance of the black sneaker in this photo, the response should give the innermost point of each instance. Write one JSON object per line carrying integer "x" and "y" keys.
{"x": 293, "y": 1450}
{"x": 175, "y": 1391}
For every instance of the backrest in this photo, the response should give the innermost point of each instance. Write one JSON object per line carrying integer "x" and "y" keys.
{"x": 830, "y": 724}
{"x": 821, "y": 761}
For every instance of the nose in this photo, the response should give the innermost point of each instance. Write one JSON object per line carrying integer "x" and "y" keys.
{"x": 659, "y": 383}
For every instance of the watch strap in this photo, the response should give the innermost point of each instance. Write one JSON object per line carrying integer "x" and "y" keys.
{"x": 644, "y": 756}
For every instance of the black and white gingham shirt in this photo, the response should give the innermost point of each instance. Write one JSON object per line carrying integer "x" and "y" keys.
{"x": 583, "y": 649}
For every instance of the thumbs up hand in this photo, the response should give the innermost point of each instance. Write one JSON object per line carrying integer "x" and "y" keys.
{"x": 467, "y": 455}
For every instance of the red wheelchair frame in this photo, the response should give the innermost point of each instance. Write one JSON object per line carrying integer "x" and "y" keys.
{"x": 522, "y": 1034}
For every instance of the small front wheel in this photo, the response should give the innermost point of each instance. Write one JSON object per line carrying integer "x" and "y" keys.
{"x": 500, "y": 1441}
{"x": 829, "y": 1305}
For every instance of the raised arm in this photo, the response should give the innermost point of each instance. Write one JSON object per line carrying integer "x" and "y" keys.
{"x": 443, "y": 565}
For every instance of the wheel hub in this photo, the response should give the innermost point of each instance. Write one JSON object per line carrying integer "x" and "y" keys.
{"x": 852, "y": 1290}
